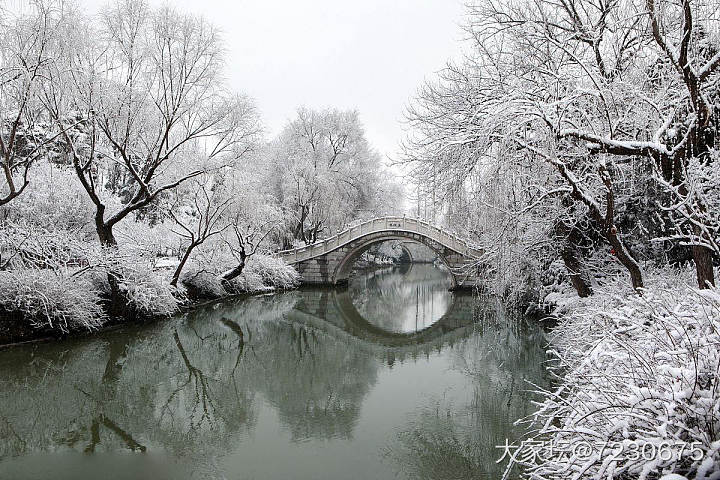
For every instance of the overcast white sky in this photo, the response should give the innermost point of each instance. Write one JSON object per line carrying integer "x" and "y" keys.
{"x": 370, "y": 55}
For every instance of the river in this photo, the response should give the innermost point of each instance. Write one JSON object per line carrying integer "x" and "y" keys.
{"x": 391, "y": 377}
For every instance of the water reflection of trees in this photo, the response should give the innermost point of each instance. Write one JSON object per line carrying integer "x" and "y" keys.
{"x": 315, "y": 382}
{"x": 192, "y": 387}
{"x": 160, "y": 394}
{"x": 188, "y": 387}
{"x": 397, "y": 301}
{"x": 457, "y": 438}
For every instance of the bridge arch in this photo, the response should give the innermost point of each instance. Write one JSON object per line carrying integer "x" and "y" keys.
{"x": 329, "y": 261}
{"x": 344, "y": 266}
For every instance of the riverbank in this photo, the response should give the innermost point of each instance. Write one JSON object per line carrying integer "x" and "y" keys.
{"x": 638, "y": 393}
{"x": 37, "y": 304}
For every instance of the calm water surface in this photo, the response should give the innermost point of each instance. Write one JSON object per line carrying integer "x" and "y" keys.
{"x": 393, "y": 377}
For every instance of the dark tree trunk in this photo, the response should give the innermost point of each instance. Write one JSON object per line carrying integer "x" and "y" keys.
{"x": 704, "y": 268}
{"x": 181, "y": 265}
{"x": 236, "y": 271}
{"x": 701, "y": 141}
{"x": 107, "y": 239}
{"x": 578, "y": 278}
{"x": 625, "y": 257}
{"x": 300, "y": 227}
{"x": 104, "y": 231}
{"x": 571, "y": 237}
{"x": 314, "y": 233}
{"x": 117, "y": 304}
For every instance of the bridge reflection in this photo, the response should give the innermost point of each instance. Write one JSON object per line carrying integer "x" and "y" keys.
{"x": 323, "y": 309}
{"x": 405, "y": 298}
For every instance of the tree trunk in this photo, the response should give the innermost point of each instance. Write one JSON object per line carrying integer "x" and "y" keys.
{"x": 625, "y": 257}
{"x": 181, "y": 265}
{"x": 104, "y": 231}
{"x": 118, "y": 305}
{"x": 572, "y": 257}
{"x": 574, "y": 266}
{"x": 300, "y": 227}
{"x": 107, "y": 239}
{"x": 236, "y": 271}
{"x": 704, "y": 266}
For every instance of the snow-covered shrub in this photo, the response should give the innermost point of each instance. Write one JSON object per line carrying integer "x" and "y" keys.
{"x": 145, "y": 291}
{"x": 273, "y": 271}
{"x": 202, "y": 284}
{"x": 637, "y": 372}
{"x": 53, "y": 200}
{"x": 148, "y": 294}
{"x": 156, "y": 240}
{"x": 26, "y": 245}
{"x": 248, "y": 281}
{"x": 48, "y": 301}
{"x": 203, "y": 278}
{"x": 526, "y": 282}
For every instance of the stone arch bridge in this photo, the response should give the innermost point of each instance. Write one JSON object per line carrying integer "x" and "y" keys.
{"x": 330, "y": 261}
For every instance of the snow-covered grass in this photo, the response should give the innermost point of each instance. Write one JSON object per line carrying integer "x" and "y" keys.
{"x": 636, "y": 372}
{"x": 43, "y": 300}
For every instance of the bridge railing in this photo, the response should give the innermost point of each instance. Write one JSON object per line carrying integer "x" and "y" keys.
{"x": 411, "y": 225}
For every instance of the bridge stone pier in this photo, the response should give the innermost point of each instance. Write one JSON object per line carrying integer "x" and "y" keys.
{"x": 330, "y": 261}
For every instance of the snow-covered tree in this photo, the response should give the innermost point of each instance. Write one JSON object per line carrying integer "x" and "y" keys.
{"x": 253, "y": 217}
{"x": 153, "y": 108}
{"x": 28, "y": 42}
{"x": 327, "y": 173}
{"x": 198, "y": 216}
{"x": 584, "y": 87}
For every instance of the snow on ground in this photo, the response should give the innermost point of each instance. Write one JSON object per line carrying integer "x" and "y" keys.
{"x": 638, "y": 394}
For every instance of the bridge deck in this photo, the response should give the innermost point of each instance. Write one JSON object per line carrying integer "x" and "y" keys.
{"x": 377, "y": 225}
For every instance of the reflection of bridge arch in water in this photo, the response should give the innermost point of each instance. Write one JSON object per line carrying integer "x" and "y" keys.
{"x": 336, "y": 308}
